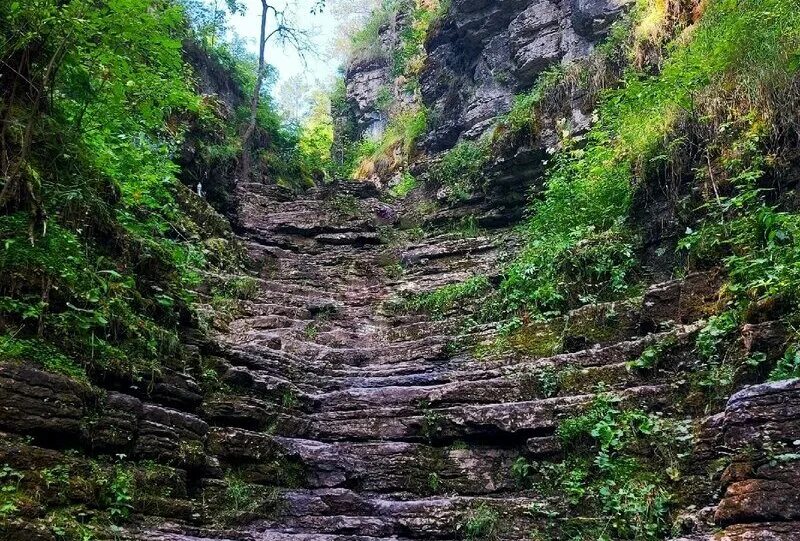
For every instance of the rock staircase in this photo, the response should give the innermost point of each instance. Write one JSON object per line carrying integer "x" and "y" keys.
{"x": 377, "y": 429}
{"x": 393, "y": 437}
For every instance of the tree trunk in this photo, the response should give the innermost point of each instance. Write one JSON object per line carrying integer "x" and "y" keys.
{"x": 251, "y": 126}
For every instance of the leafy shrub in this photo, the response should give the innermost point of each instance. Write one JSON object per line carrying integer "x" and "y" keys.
{"x": 101, "y": 245}
{"x": 579, "y": 247}
{"x": 409, "y": 57}
{"x": 652, "y": 355}
{"x": 788, "y": 366}
{"x": 461, "y": 168}
{"x": 240, "y": 495}
{"x": 613, "y": 479}
{"x": 406, "y": 185}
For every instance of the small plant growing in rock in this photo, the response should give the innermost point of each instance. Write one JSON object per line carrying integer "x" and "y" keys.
{"x": 444, "y": 299}
{"x": 116, "y": 489}
{"x": 652, "y": 355}
{"x": 432, "y": 425}
{"x": 521, "y": 470}
{"x": 345, "y": 205}
{"x": 481, "y": 523}
{"x": 434, "y": 482}
{"x": 10, "y": 480}
{"x": 311, "y": 331}
{"x": 239, "y": 495}
{"x": 289, "y": 399}
{"x": 605, "y": 467}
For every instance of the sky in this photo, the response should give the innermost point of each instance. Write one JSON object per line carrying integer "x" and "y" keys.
{"x": 320, "y": 68}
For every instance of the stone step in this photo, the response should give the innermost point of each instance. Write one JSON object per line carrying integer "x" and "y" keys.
{"x": 377, "y": 467}
{"x": 343, "y": 512}
{"x": 352, "y": 380}
{"x": 509, "y": 420}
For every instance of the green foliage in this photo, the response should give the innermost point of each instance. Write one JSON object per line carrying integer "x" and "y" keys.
{"x": 395, "y": 147}
{"x": 406, "y": 185}
{"x": 522, "y": 115}
{"x": 461, "y": 168}
{"x": 444, "y": 299}
{"x": 431, "y": 424}
{"x": 613, "y": 478}
{"x": 116, "y": 488}
{"x": 481, "y": 523}
{"x": 100, "y": 245}
{"x": 41, "y": 353}
{"x": 738, "y": 49}
{"x": 409, "y": 58}
{"x": 407, "y": 122}
{"x": 239, "y": 494}
{"x": 579, "y": 247}
{"x": 711, "y": 339}
{"x": 521, "y": 469}
{"x": 434, "y": 482}
{"x": 316, "y": 139}
{"x": 760, "y": 244}
{"x": 788, "y": 366}
{"x": 311, "y": 330}
{"x": 366, "y": 44}
{"x": 548, "y": 380}
{"x": 346, "y": 206}
{"x": 10, "y": 480}
{"x": 652, "y": 355}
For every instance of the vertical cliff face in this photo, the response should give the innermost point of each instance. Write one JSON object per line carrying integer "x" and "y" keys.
{"x": 486, "y": 52}
{"x": 370, "y": 76}
{"x": 480, "y": 54}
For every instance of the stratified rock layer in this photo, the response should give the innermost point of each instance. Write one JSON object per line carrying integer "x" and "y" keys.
{"x": 371, "y": 424}
{"x": 485, "y": 52}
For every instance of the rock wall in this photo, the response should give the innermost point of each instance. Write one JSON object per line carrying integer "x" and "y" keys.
{"x": 480, "y": 55}
{"x": 485, "y": 52}
{"x": 320, "y": 412}
{"x": 369, "y": 79}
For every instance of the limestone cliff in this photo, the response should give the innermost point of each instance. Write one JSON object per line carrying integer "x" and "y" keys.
{"x": 374, "y": 376}
{"x": 480, "y": 54}
{"x": 486, "y": 52}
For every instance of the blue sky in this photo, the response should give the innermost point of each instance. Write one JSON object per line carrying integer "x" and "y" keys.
{"x": 320, "y": 66}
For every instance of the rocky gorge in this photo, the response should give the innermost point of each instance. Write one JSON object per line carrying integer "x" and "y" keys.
{"x": 370, "y": 424}
{"x": 372, "y": 374}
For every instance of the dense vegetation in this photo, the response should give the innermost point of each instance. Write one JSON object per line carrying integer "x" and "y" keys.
{"x": 103, "y": 246}
{"x": 695, "y": 108}
{"x": 714, "y": 123}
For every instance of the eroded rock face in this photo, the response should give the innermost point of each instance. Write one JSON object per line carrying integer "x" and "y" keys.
{"x": 365, "y": 83}
{"x": 485, "y": 52}
{"x": 760, "y": 500}
{"x": 342, "y": 419}
{"x": 369, "y": 79}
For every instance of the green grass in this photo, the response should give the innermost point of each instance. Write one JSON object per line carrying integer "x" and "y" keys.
{"x": 406, "y": 185}
{"x": 581, "y": 246}
{"x": 461, "y": 169}
{"x": 481, "y": 523}
{"x": 444, "y": 299}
